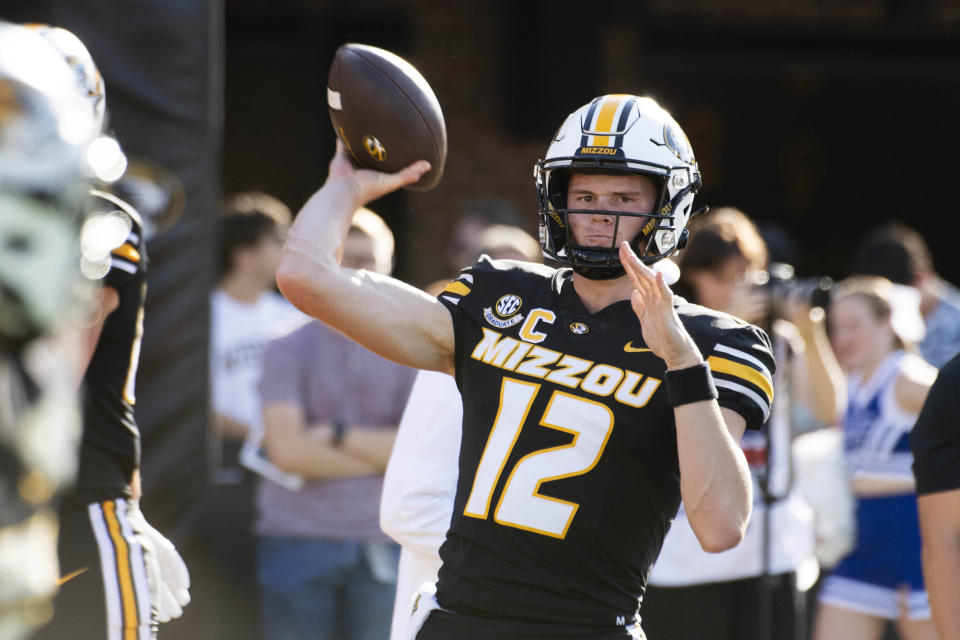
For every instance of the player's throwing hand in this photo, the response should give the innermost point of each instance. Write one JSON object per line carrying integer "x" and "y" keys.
{"x": 652, "y": 301}
{"x": 368, "y": 185}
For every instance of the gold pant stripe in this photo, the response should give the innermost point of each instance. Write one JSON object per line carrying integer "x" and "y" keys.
{"x": 128, "y": 597}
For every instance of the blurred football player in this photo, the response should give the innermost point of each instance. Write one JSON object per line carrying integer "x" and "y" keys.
{"x": 594, "y": 402}
{"x": 119, "y": 576}
{"x": 42, "y": 181}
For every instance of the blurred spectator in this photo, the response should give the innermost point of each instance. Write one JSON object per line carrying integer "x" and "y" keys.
{"x": 421, "y": 477}
{"x": 935, "y": 443}
{"x": 900, "y": 254}
{"x": 781, "y": 244}
{"x": 331, "y": 409}
{"x": 462, "y": 246}
{"x": 463, "y": 243}
{"x": 881, "y": 578}
{"x": 246, "y": 313}
{"x": 750, "y": 591}
{"x": 502, "y": 241}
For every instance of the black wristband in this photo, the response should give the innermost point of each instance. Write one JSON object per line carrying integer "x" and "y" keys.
{"x": 692, "y": 384}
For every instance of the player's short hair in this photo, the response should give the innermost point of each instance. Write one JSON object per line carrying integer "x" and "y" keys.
{"x": 257, "y": 202}
{"x": 246, "y": 217}
{"x": 894, "y": 251}
{"x": 369, "y": 223}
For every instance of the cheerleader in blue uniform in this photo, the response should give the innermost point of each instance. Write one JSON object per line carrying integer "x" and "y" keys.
{"x": 881, "y": 578}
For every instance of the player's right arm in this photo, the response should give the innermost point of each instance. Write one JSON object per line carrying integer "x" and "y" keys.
{"x": 385, "y": 315}
{"x": 940, "y": 529}
{"x": 107, "y": 301}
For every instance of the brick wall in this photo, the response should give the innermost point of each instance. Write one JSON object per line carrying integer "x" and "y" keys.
{"x": 783, "y": 101}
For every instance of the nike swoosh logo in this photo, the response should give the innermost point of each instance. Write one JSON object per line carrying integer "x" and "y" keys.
{"x": 630, "y": 349}
{"x": 70, "y": 576}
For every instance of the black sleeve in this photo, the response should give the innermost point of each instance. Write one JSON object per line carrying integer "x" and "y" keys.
{"x": 935, "y": 439}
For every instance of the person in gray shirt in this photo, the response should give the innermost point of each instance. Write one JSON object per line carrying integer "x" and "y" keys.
{"x": 331, "y": 409}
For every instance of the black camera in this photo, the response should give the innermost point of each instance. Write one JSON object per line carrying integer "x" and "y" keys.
{"x": 780, "y": 281}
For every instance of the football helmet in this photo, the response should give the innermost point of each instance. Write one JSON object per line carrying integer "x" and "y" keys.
{"x": 617, "y": 134}
{"x": 44, "y": 132}
{"x": 86, "y": 74}
{"x": 105, "y": 157}
{"x": 45, "y": 126}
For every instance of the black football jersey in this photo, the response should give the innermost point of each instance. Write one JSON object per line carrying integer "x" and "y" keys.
{"x": 569, "y": 476}
{"x": 110, "y": 445}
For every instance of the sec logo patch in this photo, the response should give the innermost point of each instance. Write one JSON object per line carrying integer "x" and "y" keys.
{"x": 504, "y": 312}
{"x": 508, "y": 305}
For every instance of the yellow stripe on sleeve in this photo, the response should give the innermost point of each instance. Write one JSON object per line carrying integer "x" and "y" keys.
{"x": 742, "y": 371}
{"x": 127, "y": 251}
{"x": 457, "y": 287}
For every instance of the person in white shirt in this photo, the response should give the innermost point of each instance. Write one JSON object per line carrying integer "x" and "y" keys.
{"x": 246, "y": 313}
{"x": 421, "y": 477}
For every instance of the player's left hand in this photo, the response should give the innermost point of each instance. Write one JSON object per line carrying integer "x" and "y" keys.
{"x": 652, "y": 301}
{"x": 166, "y": 571}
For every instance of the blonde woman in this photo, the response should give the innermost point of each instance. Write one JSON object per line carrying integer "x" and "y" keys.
{"x": 881, "y": 578}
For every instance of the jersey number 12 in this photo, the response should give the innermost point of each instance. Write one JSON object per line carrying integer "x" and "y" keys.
{"x": 521, "y": 504}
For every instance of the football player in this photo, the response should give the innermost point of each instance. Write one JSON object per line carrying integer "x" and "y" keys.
{"x": 41, "y": 185}
{"x": 594, "y": 401}
{"x": 119, "y": 576}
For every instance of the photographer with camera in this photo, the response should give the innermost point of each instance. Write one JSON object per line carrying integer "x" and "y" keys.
{"x": 752, "y": 591}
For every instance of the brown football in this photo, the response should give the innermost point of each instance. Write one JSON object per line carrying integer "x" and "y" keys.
{"x": 385, "y": 112}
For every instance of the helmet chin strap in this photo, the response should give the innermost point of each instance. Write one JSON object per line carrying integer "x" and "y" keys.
{"x": 599, "y": 273}
{"x": 665, "y": 266}
{"x": 613, "y": 268}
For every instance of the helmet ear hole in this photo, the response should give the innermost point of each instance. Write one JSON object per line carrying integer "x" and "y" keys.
{"x": 559, "y": 180}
